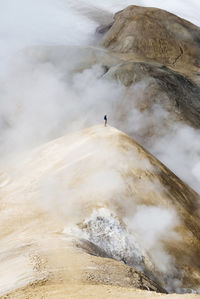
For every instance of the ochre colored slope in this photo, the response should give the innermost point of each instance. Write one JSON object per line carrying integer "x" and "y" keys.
{"x": 59, "y": 185}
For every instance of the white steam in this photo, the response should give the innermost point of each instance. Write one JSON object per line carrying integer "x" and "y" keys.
{"x": 179, "y": 149}
{"x": 39, "y": 103}
{"x": 40, "y": 98}
{"x": 153, "y": 225}
{"x": 50, "y": 87}
{"x": 139, "y": 243}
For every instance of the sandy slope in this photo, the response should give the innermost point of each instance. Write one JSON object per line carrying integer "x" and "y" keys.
{"x": 90, "y": 292}
{"x": 56, "y": 186}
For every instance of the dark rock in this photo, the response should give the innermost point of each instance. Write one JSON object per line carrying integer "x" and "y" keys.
{"x": 103, "y": 28}
{"x": 183, "y": 95}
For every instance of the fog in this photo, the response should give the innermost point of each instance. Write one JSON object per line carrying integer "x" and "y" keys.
{"x": 41, "y": 43}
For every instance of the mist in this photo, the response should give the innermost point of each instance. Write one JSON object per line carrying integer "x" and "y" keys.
{"x": 42, "y": 98}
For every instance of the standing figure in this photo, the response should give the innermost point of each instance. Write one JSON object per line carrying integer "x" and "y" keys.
{"x": 105, "y": 120}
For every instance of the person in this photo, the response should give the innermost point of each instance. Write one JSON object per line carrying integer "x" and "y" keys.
{"x": 105, "y": 120}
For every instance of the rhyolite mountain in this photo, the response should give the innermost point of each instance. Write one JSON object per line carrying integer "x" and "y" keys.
{"x": 54, "y": 209}
{"x": 155, "y": 45}
{"x": 93, "y": 214}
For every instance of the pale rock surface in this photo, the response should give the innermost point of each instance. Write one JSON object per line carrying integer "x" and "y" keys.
{"x": 49, "y": 198}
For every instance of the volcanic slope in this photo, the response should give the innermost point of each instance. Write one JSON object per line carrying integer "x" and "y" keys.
{"x": 161, "y": 50}
{"x": 80, "y": 214}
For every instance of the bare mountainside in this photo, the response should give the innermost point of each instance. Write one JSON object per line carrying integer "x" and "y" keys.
{"x": 161, "y": 50}
{"x": 154, "y": 34}
{"x": 94, "y": 214}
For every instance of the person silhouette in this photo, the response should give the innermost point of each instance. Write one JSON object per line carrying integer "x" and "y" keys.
{"x": 105, "y": 120}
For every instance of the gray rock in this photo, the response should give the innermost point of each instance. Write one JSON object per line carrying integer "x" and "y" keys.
{"x": 183, "y": 95}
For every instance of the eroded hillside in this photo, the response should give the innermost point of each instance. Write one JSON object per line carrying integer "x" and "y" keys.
{"x": 77, "y": 212}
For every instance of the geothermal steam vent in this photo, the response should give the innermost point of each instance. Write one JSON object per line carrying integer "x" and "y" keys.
{"x": 89, "y": 210}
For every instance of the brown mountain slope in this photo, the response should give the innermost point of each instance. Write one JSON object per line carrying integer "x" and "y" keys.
{"x": 76, "y": 199}
{"x": 153, "y": 34}
{"x": 160, "y": 51}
